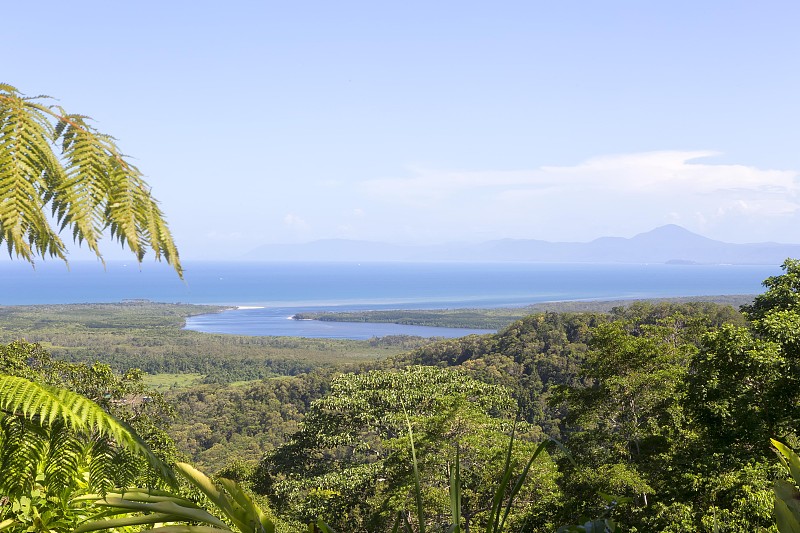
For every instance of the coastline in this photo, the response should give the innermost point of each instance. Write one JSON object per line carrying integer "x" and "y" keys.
{"x": 445, "y": 322}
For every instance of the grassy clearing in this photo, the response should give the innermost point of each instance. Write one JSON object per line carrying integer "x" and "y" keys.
{"x": 167, "y": 380}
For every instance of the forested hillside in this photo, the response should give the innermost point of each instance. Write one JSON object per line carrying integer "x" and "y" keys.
{"x": 662, "y": 413}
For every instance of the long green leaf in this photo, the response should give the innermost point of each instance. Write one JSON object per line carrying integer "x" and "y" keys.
{"x": 139, "y": 495}
{"x": 323, "y": 527}
{"x": 455, "y": 494}
{"x": 248, "y": 506}
{"x": 176, "y": 511}
{"x": 787, "y": 492}
{"x": 493, "y": 524}
{"x": 784, "y": 517}
{"x": 417, "y": 484}
{"x": 136, "y": 520}
{"x": 189, "y": 529}
{"x": 789, "y": 458}
{"x": 246, "y": 518}
{"x": 520, "y": 481}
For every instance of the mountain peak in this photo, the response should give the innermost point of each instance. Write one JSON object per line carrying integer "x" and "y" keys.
{"x": 670, "y": 232}
{"x": 666, "y": 244}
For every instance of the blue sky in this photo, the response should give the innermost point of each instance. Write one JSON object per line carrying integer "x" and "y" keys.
{"x": 274, "y": 122}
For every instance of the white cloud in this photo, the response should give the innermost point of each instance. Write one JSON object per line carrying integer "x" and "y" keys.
{"x": 650, "y": 171}
{"x": 613, "y": 194}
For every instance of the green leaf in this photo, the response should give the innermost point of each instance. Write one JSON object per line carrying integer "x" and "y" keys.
{"x": 417, "y": 486}
{"x": 170, "y": 508}
{"x": 233, "y": 502}
{"x": 785, "y": 519}
{"x": 788, "y": 458}
{"x": 189, "y": 529}
{"x": 520, "y": 481}
{"x": 455, "y": 494}
{"x": 249, "y": 509}
{"x": 323, "y": 527}
{"x": 97, "y": 525}
{"x": 493, "y": 525}
{"x": 787, "y": 492}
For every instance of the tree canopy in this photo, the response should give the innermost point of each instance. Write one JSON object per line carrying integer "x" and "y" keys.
{"x": 54, "y": 160}
{"x": 350, "y": 462}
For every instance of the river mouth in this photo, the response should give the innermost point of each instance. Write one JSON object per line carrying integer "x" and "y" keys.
{"x": 279, "y": 322}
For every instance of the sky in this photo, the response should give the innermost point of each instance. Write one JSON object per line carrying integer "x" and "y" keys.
{"x": 430, "y": 122}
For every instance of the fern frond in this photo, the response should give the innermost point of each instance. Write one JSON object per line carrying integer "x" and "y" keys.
{"x": 25, "y": 157}
{"x": 65, "y": 456}
{"x": 124, "y": 467}
{"x": 24, "y": 449}
{"x": 51, "y": 158}
{"x": 48, "y": 405}
{"x": 78, "y": 200}
{"x": 101, "y": 453}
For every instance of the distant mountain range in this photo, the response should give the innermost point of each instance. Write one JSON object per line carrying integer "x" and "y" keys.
{"x": 666, "y": 244}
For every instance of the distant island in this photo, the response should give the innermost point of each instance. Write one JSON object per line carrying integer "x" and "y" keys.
{"x": 666, "y": 244}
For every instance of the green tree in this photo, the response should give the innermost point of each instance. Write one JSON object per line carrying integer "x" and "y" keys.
{"x": 743, "y": 388}
{"x": 626, "y": 414}
{"x": 642, "y": 427}
{"x": 54, "y": 160}
{"x": 744, "y": 385}
{"x": 351, "y": 461}
{"x": 529, "y": 357}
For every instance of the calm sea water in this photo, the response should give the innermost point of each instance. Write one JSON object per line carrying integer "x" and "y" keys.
{"x": 279, "y": 290}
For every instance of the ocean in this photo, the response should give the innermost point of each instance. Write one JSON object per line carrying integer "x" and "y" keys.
{"x": 275, "y": 291}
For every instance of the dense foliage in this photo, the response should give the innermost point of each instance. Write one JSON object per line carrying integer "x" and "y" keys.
{"x": 350, "y": 462}
{"x": 124, "y": 396}
{"x": 218, "y": 425}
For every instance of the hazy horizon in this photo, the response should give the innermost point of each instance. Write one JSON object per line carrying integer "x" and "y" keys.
{"x": 467, "y": 241}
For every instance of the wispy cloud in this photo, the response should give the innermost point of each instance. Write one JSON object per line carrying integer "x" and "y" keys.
{"x": 615, "y": 194}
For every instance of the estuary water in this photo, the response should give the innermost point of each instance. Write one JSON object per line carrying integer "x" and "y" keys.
{"x": 271, "y": 292}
